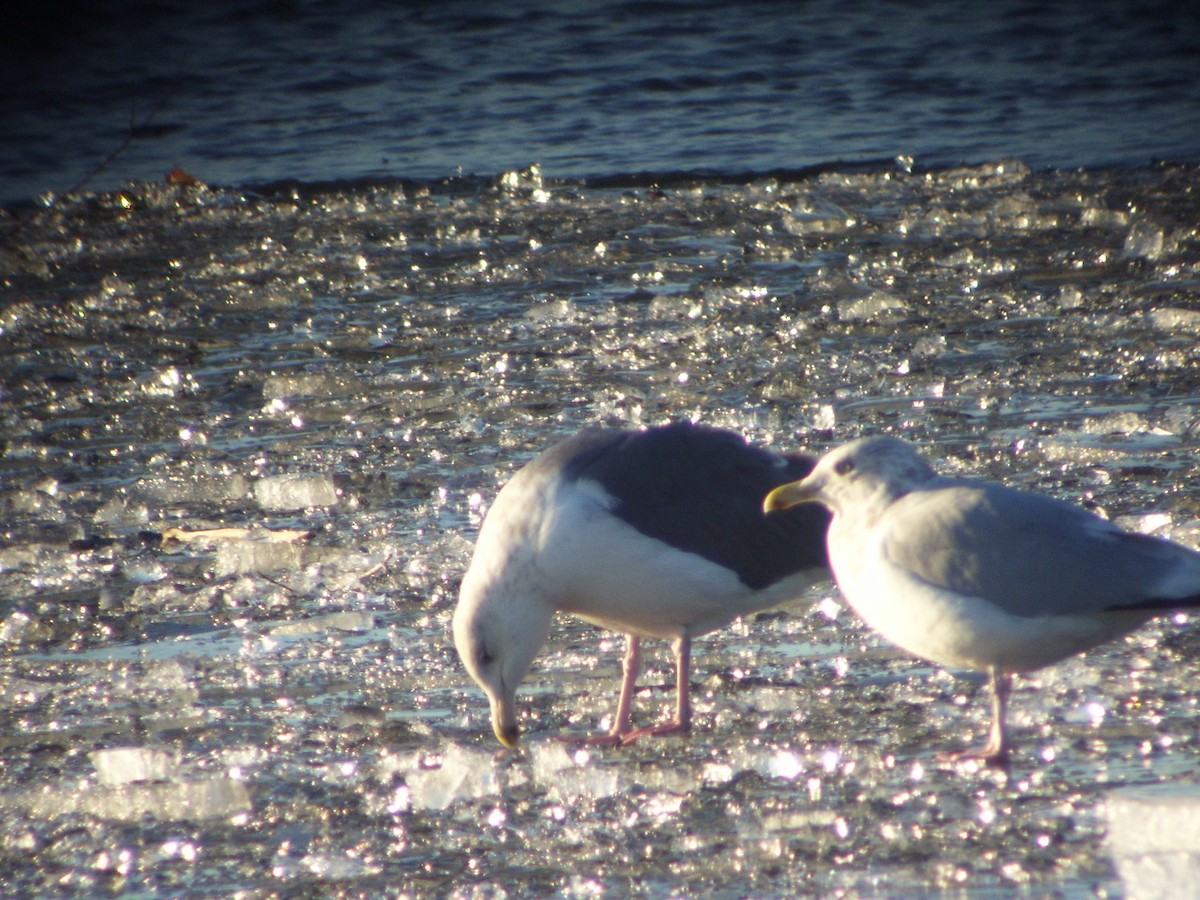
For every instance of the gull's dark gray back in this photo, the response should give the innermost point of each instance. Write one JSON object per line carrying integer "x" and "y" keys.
{"x": 701, "y": 489}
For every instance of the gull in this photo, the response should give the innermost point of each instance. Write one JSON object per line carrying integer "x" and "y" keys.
{"x": 974, "y": 575}
{"x": 657, "y": 533}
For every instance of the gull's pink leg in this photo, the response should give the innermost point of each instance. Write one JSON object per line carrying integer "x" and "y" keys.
{"x": 631, "y": 666}
{"x": 683, "y": 694}
{"x": 996, "y": 751}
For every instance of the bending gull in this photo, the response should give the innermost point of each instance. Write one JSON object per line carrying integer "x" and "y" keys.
{"x": 657, "y": 533}
{"x": 974, "y": 575}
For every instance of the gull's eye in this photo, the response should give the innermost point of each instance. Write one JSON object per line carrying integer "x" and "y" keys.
{"x": 483, "y": 653}
{"x": 844, "y": 466}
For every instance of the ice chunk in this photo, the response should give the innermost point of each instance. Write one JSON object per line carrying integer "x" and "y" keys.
{"x": 1090, "y": 448}
{"x": 465, "y": 773}
{"x": 123, "y": 765}
{"x": 825, "y": 417}
{"x": 165, "y": 596}
{"x": 194, "y": 489}
{"x": 186, "y": 800}
{"x": 785, "y": 764}
{"x": 117, "y": 512}
{"x": 1174, "y": 319}
{"x": 551, "y": 311}
{"x": 350, "y": 620}
{"x": 278, "y": 387}
{"x": 18, "y": 627}
{"x": 295, "y": 490}
{"x": 144, "y": 572}
{"x": 815, "y": 215}
{"x": 875, "y": 305}
{"x": 1146, "y": 523}
{"x": 567, "y": 776}
{"x": 1127, "y": 422}
{"x": 674, "y": 307}
{"x": 337, "y": 867}
{"x": 1069, "y": 297}
{"x": 547, "y": 759}
{"x": 241, "y": 557}
{"x": 1097, "y": 217}
{"x": 1154, "y": 839}
{"x": 1144, "y": 241}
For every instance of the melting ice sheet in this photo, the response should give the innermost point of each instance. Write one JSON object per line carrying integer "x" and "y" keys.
{"x": 246, "y": 443}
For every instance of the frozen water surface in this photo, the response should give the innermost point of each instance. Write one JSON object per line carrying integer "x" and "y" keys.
{"x": 246, "y": 442}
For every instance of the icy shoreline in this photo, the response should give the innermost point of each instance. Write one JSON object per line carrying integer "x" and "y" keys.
{"x": 247, "y": 442}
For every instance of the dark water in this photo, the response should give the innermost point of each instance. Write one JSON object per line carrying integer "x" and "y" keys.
{"x": 244, "y": 93}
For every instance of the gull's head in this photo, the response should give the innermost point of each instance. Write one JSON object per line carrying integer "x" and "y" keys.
{"x": 866, "y": 473}
{"x": 498, "y": 629}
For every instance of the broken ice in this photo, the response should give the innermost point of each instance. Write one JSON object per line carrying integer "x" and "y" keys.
{"x": 1154, "y": 838}
{"x": 292, "y": 491}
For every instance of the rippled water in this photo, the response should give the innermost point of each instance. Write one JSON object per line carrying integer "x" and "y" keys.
{"x": 257, "y": 92}
{"x": 247, "y": 440}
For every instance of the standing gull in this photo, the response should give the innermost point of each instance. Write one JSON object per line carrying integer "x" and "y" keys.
{"x": 657, "y": 533}
{"x": 975, "y": 575}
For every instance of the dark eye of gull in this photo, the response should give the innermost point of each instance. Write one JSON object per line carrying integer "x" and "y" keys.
{"x": 844, "y": 466}
{"x": 483, "y": 655}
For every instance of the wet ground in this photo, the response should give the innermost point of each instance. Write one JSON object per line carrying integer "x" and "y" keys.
{"x": 246, "y": 440}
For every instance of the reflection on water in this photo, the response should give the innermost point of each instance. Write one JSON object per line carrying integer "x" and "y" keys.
{"x": 248, "y": 441}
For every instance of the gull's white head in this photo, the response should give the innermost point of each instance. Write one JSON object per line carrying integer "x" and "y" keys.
{"x": 868, "y": 473}
{"x": 499, "y": 626}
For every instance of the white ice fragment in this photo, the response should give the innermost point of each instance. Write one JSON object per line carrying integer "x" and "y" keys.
{"x": 162, "y": 384}
{"x": 295, "y": 490}
{"x": 874, "y": 305}
{"x": 785, "y": 764}
{"x": 317, "y": 626}
{"x": 674, "y": 307}
{"x": 116, "y": 512}
{"x": 717, "y": 773}
{"x": 825, "y": 418}
{"x": 568, "y": 777}
{"x": 170, "y": 801}
{"x": 1154, "y": 839}
{"x": 337, "y": 867}
{"x": 196, "y": 489}
{"x": 144, "y": 573}
{"x": 930, "y": 346}
{"x": 264, "y": 557}
{"x": 176, "y": 800}
{"x": 1104, "y": 218}
{"x": 1145, "y": 240}
{"x": 124, "y": 765}
{"x": 547, "y": 759}
{"x": 1089, "y": 448}
{"x": 1187, "y": 533}
{"x": 551, "y": 311}
{"x": 816, "y": 215}
{"x": 278, "y": 387}
{"x": 1091, "y": 712}
{"x": 1179, "y": 419}
{"x": 1148, "y": 523}
{"x": 1069, "y": 297}
{"x": 1174, "y": 319}
{"x": 1127, "y": 422}
{"x": 465, "y": 773}
{"x": 15, "y": 627}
